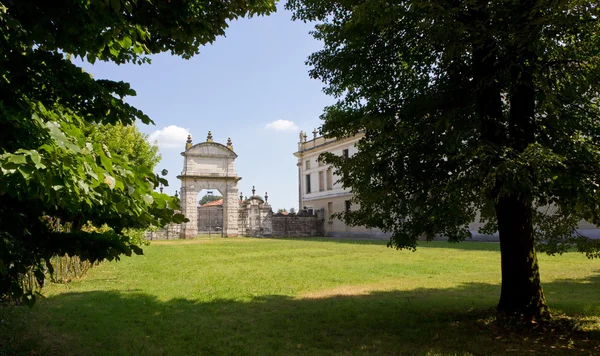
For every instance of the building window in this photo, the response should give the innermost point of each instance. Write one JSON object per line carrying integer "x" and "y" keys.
{"x": 348, "y": 205}
{"x": 329, "y": 209}
{"x": 329, "y": 179}
{"x": 345, "y": 153}
{"x": 307, "y": 164}
{"x": 321, "y": 181}
{"x": 308, "y": 183}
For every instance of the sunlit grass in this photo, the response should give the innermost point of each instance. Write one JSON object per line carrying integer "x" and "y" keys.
{"x": 290, "y": 296}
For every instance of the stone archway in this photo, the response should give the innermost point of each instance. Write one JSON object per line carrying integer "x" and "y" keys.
{"x": 209, "y": 165}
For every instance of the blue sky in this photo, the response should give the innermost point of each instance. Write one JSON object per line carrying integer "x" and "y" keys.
{"x": 236, "y": 87}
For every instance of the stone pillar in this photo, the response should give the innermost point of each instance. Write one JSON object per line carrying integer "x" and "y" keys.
{"x": 231, "y": 208}
{"x": 190, "y": 211}
{"x": 266, "y": 222}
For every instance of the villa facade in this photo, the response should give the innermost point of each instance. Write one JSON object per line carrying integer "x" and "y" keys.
{"x": 318, "y": 189}
{"x": 319, "y": 192}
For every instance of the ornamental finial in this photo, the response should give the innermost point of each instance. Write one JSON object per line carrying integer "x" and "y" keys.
{"x": 315, "y": 132}
{"x": 241, "y": 196}
{"x": 229, "y": 144}
{"x": 209, "y": 137}
{"x": 266, "y": 197}
{"x": 188, "y": 143}
{"x": 253, "y": 190}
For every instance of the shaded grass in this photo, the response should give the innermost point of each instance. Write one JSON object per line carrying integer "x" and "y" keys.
{"x": 317, "y": 296}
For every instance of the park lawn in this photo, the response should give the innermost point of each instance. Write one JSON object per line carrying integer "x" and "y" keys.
{"x": 248, "y": 296}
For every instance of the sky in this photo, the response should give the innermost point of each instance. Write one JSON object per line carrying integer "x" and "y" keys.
{"x": 252, "y": 85}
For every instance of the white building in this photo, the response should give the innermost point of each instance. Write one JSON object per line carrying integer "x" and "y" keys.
{"x": 318, "y": 190}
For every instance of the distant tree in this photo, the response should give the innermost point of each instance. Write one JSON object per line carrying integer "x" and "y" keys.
{"x": 467, "y": 107}
{"x": 282, "y": 210}
{"x": 292, "y": 210}
{"x": 208, "y": 198}
{"x": 52, "y": 166}
{"x": 126, "y": 141}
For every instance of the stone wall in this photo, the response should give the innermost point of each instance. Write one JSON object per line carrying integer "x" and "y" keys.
{"x": 170, "y": 232}
{"x": 297, "y": 225}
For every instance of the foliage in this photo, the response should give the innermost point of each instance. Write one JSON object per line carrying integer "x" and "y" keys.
{"x": 208, "y": 198}
{"x": 283, "y": 210}
{"x": 292, "y": 210}
{"x": 366, "y": 300}
{"x": 127, "y": 142}
{"x": 137, "y": 236}
{"x": 50, "y": 162}
{"x": 467, "y": 108}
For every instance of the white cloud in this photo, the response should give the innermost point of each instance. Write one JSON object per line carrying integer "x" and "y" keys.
{"x": 170, "y": 137}
{"x": 282, "y": 125}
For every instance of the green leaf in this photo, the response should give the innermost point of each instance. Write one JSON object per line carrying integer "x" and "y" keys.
{"x": 126, "y": 42}
{"x": 179, "y": 218}
{"x": 37, "y": 160}
{"x": 113, "y": 50}
{"x": 17, "y": 159}
{"x": 57, "y": 135}
{"x": 106, "y": 162}
{"x": 25, "y": 171}
{"x": 148, "y": 199}
{"x": 163, "y": 182}
{"x": 119, "y": 184}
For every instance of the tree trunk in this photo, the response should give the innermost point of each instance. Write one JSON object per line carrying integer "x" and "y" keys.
{"x": 521, "y": 290}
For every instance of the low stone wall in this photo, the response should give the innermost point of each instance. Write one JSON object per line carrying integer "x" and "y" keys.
{"x": 297, "y": 226}
{"x": 170, "y": 232}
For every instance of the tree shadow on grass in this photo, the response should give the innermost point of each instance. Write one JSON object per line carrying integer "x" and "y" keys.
{"x": 416, "y": 322}
{"x": 467, "y": 245}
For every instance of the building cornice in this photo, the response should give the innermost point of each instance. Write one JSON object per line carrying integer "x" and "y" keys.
{"x": 327, "y": 142}
{"x": 326, "y": 196}
{"x": 210, "y": 177}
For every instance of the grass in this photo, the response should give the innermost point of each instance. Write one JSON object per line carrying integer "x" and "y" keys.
{"x": 312, "y": 296}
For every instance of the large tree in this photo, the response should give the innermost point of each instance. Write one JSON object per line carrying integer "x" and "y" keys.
{"x": 470, "y": 109}
{"x": 51, "y": 167}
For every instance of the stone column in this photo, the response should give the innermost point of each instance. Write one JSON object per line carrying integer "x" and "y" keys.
{"x": 231, "y": 208}
{"x": 190, "y": 211}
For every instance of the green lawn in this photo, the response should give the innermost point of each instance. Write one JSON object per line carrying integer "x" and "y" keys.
{"x": 290, "y": 296}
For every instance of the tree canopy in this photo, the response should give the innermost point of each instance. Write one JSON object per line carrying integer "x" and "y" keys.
{"x": 126, "y": 141}
{"x": 470, "y": 110}
{"x": 208, "y": 198}
{"x": 53, "y": 162}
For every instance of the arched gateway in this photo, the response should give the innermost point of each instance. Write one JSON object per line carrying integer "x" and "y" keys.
{"x": 209, "y": 165}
